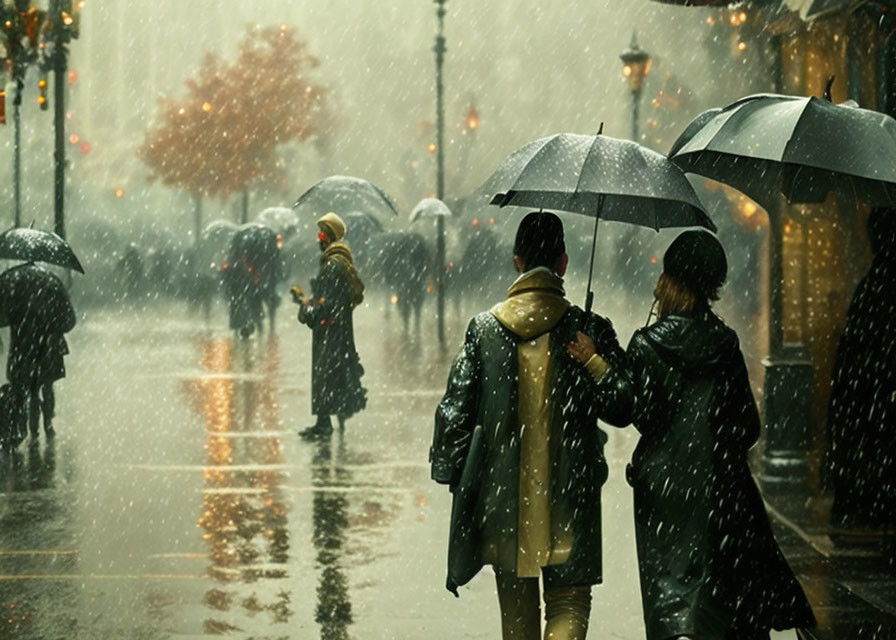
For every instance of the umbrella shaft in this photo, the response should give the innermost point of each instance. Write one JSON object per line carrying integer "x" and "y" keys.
{"x": 589, "y": 298}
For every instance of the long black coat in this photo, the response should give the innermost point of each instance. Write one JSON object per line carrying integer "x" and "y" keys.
{"x": 36, "y": 306}
{"x": 336, "y": 368}
{"x": 482, "y": 390}
{"x": 862, "y": 417}
{"x": 709, "y": 564}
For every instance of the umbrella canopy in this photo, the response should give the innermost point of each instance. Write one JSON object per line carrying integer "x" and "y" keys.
{"x": 32, "y": 295}
{"x": 281, "y": 219}
{"x": 430, "y": 208}
{"x": 361, "y": 225}
{"x": 38, "y": 246}
{"x": 801, "y": 147}
{"x": 814, "y": 9}
{"x": 345, "y": 193}
{"x": 599, "y": 176}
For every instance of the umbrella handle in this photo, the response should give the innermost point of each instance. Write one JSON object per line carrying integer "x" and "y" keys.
{"x": 589, "y": 297}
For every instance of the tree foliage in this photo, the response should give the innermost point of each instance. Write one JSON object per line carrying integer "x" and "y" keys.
{"x": 222, "y": 137}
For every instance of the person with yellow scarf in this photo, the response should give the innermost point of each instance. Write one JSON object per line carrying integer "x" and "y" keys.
{"x": 336, "y": 368}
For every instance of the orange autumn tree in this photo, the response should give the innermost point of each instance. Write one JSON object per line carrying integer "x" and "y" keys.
{"x": 222, "y": 137}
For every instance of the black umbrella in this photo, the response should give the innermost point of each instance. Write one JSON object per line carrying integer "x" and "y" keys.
{"x": 602, "y": 177}
{"x": 35, "y": 245}
{"x": 801, "y": 147}
{"x": 345, "y": 193}
{"x": 360, "y": 225}
{"x": 36, "y": 298}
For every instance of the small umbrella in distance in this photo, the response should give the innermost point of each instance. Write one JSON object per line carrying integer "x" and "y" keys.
{"x": 601, "y": 177}
{"x": 430, "y": 208}
{"x": 346, "y": 193}
{"x": 283, "y": 220}
{"x": 35, "y": 245}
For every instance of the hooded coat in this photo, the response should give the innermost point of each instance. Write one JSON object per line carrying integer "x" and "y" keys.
{"x": 478, "y": 434}
{"x": 709, "y": 564}
{"x": 336, "y": 368}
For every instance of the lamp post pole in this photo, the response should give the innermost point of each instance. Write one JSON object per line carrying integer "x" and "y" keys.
{"x": 59, "y": 64}
{"x": 439, "y": 50}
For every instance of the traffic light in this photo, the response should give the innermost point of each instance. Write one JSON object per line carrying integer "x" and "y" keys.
{"x": 42, "y": 92}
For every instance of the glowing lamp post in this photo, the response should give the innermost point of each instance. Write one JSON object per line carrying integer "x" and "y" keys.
{"x": 635, "y": 68}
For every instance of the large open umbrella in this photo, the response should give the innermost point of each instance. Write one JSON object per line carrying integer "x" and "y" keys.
{"x": 38, "y": 246}
{"x": 801, "y": 147}
{"x": 601, "y": 177}
{"x": 346, "y": 193}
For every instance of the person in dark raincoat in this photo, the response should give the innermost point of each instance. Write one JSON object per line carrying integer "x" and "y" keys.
{"x": 253, "y": 270}
{"x": 516, "y": 439}
{"x": 36, "y": 307}
{"x": 862, "y": 416}
{"x": 710, "y": 567}
{"x": 336, "y": 368}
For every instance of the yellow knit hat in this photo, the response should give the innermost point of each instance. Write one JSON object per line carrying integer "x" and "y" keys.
{"x": 333, "y": 226}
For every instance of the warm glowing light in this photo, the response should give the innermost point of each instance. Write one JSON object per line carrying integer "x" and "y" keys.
{"x": 74, "y": 138}
{"x": 72, "y": 76}
{"x": 42, "y": 100}
{"x": 431, "y": 147}
{"x": 627, "y": 70}
{"x": 741, "y": 46}
{"x": 475, "y": 222}
{"x": 472, "y": 119}
{"x": 394, "y": 299}
{"x": 711, "y": 21}
{"x": 733, "y": 19}
{"x": 119, "y": 193}
{"x": 749, "y": 209}
{"x": 42, "y": 83}
{"x": 67, "y": 19}
{"x": 653, "y": 260}
{"x": 207, "y": 106}
{"x": 742, "y": 17}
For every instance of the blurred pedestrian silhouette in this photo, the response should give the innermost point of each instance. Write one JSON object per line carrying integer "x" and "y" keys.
{"x": 862, "y": 417}
{"x": 35, "y": 305}
{"x": 251, "y": 274}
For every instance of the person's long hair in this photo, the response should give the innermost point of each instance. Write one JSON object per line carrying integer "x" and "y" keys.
{"x": 674, "y": 298}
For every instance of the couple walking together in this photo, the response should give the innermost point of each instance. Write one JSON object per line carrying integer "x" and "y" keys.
{"x": 516, "y": 439}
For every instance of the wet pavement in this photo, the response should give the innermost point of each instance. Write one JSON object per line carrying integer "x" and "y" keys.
{"x": 178, "y": 502}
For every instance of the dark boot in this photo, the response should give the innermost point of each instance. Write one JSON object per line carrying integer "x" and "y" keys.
{"x": 48, "y": 408}
{"x": 323, "y": 428}
{"x": 34, "y": 415}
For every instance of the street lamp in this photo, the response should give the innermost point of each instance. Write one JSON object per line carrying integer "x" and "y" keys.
{"x": 21, "y": 25}
{"x": 635, "y": 67}
{"x": 440, "y": 50}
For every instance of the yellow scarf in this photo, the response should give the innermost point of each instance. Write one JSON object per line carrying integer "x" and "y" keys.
{"x": 340, "y": 252}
